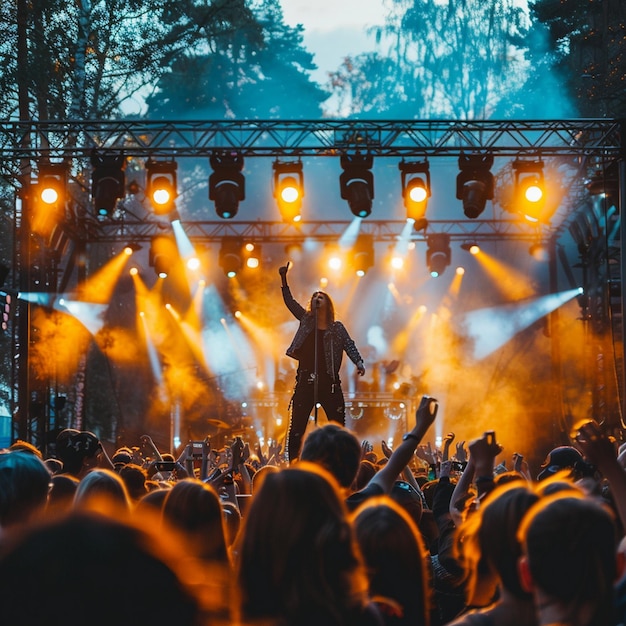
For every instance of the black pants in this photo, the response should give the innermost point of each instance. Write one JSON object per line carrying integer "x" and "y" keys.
{"x": 329, "y": 396}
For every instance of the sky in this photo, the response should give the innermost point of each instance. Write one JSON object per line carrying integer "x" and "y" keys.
{"x": 334, "y": 28}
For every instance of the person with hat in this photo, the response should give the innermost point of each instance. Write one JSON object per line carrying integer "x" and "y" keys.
{"x": 565, "y": 458}
{"x": 81, "y": 451}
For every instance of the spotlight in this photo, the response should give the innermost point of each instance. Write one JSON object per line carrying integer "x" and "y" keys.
{"x": 474, "y": 184}
{"x": 163, "y": 255}
{"x": 539, "y": 252}
{"x": 289, "y": 189}
{"x": 357, "y": 183}
{"x": 335, "y": 257}
{"x": 51, "y": 185}
{"x": 438, "y": 253}
{"x": 107, "y": 182}
{"x": 161, "y": 185}
{"x": 252, "y": 253}
{"x": 471, "y": 246}
{"x": 529, "y": 189}
{"x": 231, "y": 256}
{"x": 226, "y": 183}
{"x": 415, "y": 190}
{"x": 363, "y": 254}
{"x": 604, "y": 183}
{"x": 132, "y": 246}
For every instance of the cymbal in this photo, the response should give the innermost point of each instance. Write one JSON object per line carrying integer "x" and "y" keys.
{"x": 218, "y": 423}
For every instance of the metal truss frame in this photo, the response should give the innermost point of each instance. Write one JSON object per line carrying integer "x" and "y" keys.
{"x": 298, "y": 138}
{"x": 580, "y": 143}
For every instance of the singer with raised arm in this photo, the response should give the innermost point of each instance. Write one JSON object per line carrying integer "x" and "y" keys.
{"x": 318, "y": 346}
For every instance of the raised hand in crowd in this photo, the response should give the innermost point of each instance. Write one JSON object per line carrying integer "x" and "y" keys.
{"x": 427, "y": 453}
{"x": 599, "y": 450}
{"x": 424, "y": 417}
{"x": 482, "y": 454}
{"x": 461, "y": 452}
{"x": 447, "y": 442}
{"x": 385, "y": 448}
{"x": 367, "y": 451}
{"x": 274, "y": 451}
{"x": 520, "y": 465}
{"x": 259, "y": 452}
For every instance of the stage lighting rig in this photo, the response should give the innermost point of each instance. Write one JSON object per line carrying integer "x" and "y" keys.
{"x": 530, "y": 195}
{"x": 226, "y": 183}
{"x": 415, "y": 178}
{"x": 161, "y": 185}
{"x": 231, "y": 256}
{"x": 52, "y": 184}
{"x": 107, "y": 182}
{"x": 438, "y": 254}
{"x": 288, "y": 189}
{"x": 474, "y": 183}
{"x": 362, "y": 255}
{"x": 163, "y": 255}
{"x": 357, "y": 183}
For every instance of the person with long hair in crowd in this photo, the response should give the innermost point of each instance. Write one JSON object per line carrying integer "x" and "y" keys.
{"x": 298, "y": 563}
{"x": 397, "y": 561}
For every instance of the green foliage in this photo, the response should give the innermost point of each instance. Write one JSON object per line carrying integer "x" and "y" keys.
{"x": 585, "y": 43}
{"x": 442, "y": 60}
{"x": 258, "y": 70}
{"x": 84, "y": 59}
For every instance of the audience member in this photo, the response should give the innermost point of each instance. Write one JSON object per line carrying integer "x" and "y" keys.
{"x": 397, "y": 561}
{"x": 90, "y": 569}
{"x": 569, "y": 562}
{"x": 298, "y": 563}
{"x": 491, "y": 552}
{"x": 24, "y": 482}
{"x": 99, "y": 485}
{"x": 134, "y": 478}
{"x": 80, "y": 451}
{"x": 194, "y": 508}
{"x": 61, "y": 493}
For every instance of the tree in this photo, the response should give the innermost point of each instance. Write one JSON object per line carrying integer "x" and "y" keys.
{"x": 258, "y": 71}
{"x": 84, "y": 59}
{"x": 584, "y": 43}
{"x": 443, "y": 59}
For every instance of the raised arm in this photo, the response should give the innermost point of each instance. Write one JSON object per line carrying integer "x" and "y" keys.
{"x": 424, "y": 417}
{"x": 291, "y": 303}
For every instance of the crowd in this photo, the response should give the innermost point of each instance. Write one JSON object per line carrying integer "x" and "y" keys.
{"x": 339, "y": 536}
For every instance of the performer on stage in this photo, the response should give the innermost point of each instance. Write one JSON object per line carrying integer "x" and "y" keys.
{"x": 318, "y": 348}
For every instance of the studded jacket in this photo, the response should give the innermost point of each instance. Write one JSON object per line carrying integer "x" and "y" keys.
{"x": 336, "y": 337}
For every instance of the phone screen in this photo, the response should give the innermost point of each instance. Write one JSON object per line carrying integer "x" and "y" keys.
{"x": 165, "y": 466}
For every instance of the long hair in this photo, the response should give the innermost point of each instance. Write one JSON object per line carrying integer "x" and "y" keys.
{"x": 194, "y": 508}
{"x": 570, "y": 542}
{"x": 330, "y": 307}
{"x": 299, "y": 563}
{"x": 396, "y": 557}
{"x": 490, "y": 544}
{"x": 102, "y": 485}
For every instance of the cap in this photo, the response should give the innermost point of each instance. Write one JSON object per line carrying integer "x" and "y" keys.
{"x": 563, "y": 457}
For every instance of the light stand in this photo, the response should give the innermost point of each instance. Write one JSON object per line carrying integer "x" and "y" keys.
{"x": 315, "y": 367}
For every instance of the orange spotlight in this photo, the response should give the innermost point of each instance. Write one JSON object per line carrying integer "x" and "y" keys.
{"x": 289, "y": 189}
{"x": 161, "y": 185}
{"x": 530, "y": 197}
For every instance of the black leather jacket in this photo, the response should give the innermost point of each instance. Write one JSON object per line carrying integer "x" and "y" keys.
{"x": 336, "y": 337}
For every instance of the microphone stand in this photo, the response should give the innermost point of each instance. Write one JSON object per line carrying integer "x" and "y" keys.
{"x": 315, "y": 367}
